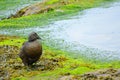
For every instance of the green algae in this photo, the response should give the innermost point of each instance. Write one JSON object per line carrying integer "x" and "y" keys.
{"x": 60, "y": 63}
{"x": 52, "y": 65}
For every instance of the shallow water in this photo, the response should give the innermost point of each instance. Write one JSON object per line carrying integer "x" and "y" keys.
{"x": 99, "y": 27}
{"x": 5, "y": 13}
{"x": 94, "y": 34}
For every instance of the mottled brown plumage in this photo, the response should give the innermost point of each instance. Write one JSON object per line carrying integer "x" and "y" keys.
{"x": 31, "y": 50}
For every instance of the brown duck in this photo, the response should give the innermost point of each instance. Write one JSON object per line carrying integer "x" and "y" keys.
{"x": 31, "y": 50}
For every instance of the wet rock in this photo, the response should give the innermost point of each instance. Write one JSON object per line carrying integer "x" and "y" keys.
{"x": 106, "y": 74}
{"x": 109, "y": 74}
{"x": 5, "y": 37}
{"x": 70, "y": 77}
{"x": 32, "y": 9}
{"x": 10, "y": 63}
{"x": 7, "y": 59}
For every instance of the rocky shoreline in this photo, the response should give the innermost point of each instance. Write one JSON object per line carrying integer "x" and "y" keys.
{"x": 11, "y": 66}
